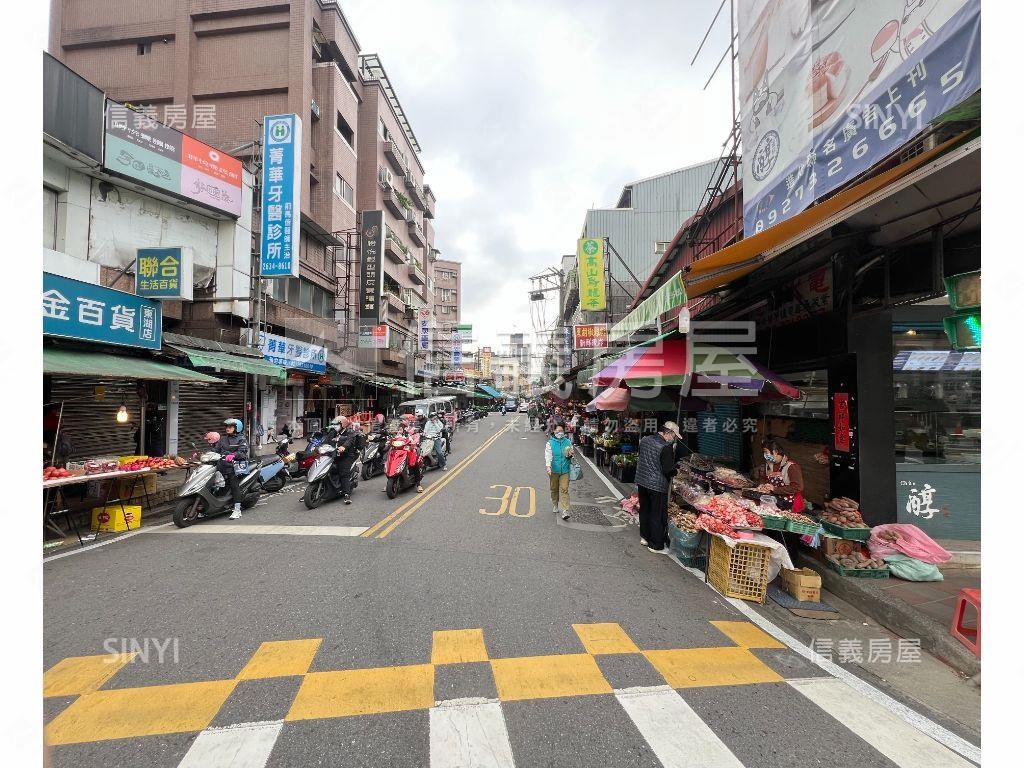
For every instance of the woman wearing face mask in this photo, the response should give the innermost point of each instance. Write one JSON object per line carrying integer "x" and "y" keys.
{"x": 557, "y": 459}
{"x": 782, "y": 476}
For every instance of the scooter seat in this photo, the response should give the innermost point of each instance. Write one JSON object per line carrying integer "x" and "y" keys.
{"x": 268, "y": 460}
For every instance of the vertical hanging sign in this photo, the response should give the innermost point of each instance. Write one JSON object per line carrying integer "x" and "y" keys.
{"x": 281, "y": 196}
{"x": 370, "y": 278}
{"x": 590, "y": 265}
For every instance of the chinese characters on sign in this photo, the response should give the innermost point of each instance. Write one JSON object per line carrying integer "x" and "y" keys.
{"x": 371, "y": 278}
{"x": 590, "y": 267}
{"x": 424, "y": 320}
{"x": 164, "y": 273}
{"x": 592, "y": 336}
{"x": 280, "y": 196}
{"x": 77, "y": 310}
{"x": 812, "y": 295}
{"x": 137, "y": 146}
{"x": 829, "y": 89}
{"x": 456, "y": 348}
{"x": 290, "y": 353}
{"x": 841, "y": 422}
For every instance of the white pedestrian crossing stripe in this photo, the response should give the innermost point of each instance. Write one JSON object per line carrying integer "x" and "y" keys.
{"x": 469, "y": 732}
{"x": 247, "y": 745}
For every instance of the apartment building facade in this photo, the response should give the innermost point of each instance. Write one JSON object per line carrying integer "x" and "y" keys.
{"x": 218, "y": 67}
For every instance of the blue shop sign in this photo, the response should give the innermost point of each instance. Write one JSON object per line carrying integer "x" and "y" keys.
{"x": 281, "y": 193}
{"x": 297, "y": 355}
{"x": 76, "y": 310}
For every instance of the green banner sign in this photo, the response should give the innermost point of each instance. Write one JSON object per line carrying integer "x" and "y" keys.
{"x": 669, "y": 296}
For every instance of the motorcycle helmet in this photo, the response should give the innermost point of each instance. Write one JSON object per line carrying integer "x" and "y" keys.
{"x": 236, "y": 424}
{"x": 211, "y": 437}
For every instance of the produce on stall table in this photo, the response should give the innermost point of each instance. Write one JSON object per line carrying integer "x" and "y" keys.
{"x": 731, "y": 477}
{"x": 714, "y": 525}
{"x": 843, "y": 512}
{"x": 858, "y": 561}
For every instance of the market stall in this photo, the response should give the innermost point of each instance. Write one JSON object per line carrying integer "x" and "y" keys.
{"x": 111, "y": 491}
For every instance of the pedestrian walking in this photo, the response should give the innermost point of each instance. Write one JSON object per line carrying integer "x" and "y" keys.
{"x": 532, "y": 413}
{"x": 558, "y": 459}
{"x": 655, "y": 466}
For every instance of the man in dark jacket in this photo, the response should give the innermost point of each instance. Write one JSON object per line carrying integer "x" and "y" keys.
{"x": 655, "y": 467}
{"x": 234, "y": 451}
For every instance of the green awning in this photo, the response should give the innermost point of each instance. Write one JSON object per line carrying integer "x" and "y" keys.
{"x": 669, "y": 296}
{"x": 489, "y": 390}
{"x": 68, "y": 362}
{"x": 223, "y": 361}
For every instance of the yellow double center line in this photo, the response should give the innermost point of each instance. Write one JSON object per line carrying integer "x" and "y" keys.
{"x": 400, "y": 515}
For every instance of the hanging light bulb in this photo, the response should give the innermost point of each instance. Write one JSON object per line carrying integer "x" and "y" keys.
{"x": 122, "y": 415}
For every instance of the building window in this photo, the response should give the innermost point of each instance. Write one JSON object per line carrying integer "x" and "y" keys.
{"x": 346, "y": 131}
{"x": 144, "y": 49}
{"x": 382, "y": 129}
{"x": 344, "y": 190}
{"x": 49, "y": 218}
{"x": 660, "y": 247}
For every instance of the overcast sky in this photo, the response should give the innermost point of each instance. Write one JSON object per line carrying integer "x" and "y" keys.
{"x": 529, "y": 112}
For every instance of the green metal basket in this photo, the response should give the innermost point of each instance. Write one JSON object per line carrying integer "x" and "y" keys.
{"x": 857, "y": 573}
{"x": 803, "y": 528}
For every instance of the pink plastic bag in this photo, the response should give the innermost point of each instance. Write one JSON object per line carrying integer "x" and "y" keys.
{"x": 912, "y": 542}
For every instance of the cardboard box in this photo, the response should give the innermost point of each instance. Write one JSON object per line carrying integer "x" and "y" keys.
{"x": 143, "y": 484}
{"x": 831, "y": 545}
{"x": 803, "y": 584}
{"x": 111, "y": 518}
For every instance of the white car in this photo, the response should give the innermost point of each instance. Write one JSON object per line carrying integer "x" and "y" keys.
{"x": 524, "y": 407}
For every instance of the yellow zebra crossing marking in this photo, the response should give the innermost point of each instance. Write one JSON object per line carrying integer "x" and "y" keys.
{"x": 184, "y": 707}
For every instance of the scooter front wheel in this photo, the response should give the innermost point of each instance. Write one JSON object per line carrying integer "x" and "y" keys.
{"x": 394, "y": 485}
{"x": 367, "y": 472}
{"x": 249, "y": 501}
{"x": 187, "y": 511}
{"x": 315, "y": 494}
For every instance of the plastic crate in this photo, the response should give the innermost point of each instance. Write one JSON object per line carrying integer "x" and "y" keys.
{"x": 681, "y": 540}
{"x": 739, "y": 571}
{"x": 802, "y": 528}
{"x": 693, "y": 560}
{"x": 857, "y": 573}
{"x": 852, "y": 534}
{"x": 773, "y": 522}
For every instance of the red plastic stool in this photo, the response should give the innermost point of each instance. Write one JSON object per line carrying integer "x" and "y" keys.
{"x": 969, "y": 636}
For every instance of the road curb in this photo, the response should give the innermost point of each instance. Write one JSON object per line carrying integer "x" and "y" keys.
{"x": 897, "y": 616}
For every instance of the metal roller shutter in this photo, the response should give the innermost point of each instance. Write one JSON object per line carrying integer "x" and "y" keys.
{"x": 203, "y": 407}
{"x": 725, "y": 442}
{"x": 89, "y": 424}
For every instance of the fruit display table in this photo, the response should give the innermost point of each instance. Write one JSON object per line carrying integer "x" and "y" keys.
{"x": 54, "y": 505}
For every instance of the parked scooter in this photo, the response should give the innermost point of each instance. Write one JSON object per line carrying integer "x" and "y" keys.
{"x": 323, "y": 478}
{"x": 202, "y": 497}
{"x": 404, "y": 466}
{"x": 375, "y": 454}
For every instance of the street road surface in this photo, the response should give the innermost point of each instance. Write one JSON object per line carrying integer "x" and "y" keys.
{"x": 465, "y": 626}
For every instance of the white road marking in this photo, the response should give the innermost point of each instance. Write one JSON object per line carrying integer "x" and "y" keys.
{"x": 247, "y": 745}
{"x": 122, "y": 537}
{"x": 469, "y": 732}
{"x": 281, "y": 530}
{"x": 615, "y": 491}
{"x": 915, "y": 719}
{"x": 675, "y": 733}
{"x": 890, "y": 735}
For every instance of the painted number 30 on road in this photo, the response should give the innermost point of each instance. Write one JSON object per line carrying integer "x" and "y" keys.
{"x": 509, "y": 501}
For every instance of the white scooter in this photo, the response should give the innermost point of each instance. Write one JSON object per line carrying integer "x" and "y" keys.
{"x": 323, "y": 480}
{"x": 202, "y": 497}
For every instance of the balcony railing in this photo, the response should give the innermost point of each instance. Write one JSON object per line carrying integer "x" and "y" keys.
{"x": 416, "y": 232}
{"x": 415, "y": 193}
{"x": 396, "y": 156}
{"x": 394, "y": 248}
{"x": 393, "y": 203}
{"x": 416, "y": 274}
{"x": 429, "y": 200}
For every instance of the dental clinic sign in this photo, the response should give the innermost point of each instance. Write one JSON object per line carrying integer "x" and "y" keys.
{"x": 297, "y": 355}
{"x": 76, "y": 310}
{"x": 280, "y": 196}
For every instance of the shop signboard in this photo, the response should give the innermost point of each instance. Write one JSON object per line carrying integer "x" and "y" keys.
{"x": 590, "y": 268}
{"x": 936, "y": 360}
{"x": 827, "y": 90}
{"x": 647, "y": 314}
{"x": 590, "y": 336}
{"x": 811, "y": 295}
{"x": 841, "y": 422}
{"x": 424, "y": 321}
{"x": 485, "y": 362}
{"x": 76, "y": 310}
{"x": 371, "y": 278}
{"x": 140, "y": 148}
{"x": 297, "y": 355}
{"x": 456, "y": 348}
{"x": 281, "y": 195}
{"x": 164, "y": 273}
